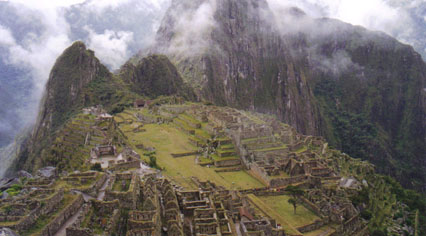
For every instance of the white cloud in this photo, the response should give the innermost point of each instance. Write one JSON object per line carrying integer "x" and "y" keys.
{"x": 372, "y": 14}
{"x": 47, "y": 4}
{"x": 193, "y": 28}
{"x": 111, "y": 47}
{"x": 6, "y": 37}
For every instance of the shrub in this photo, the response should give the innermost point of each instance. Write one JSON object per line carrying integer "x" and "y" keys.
{"x": 366, "y": 214}
{"x": 378, "y": 233}
{"x": 96, "y": 167}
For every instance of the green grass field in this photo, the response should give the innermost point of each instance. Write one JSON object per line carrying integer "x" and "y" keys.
{"x": 167, "y": 139}
{"x": 268, "y": 210}
{"x": 277, "y": 207}
{"x": 280, "y": 204}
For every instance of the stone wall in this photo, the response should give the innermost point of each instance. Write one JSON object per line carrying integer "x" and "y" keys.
{"x": 127, "y": 199}
{"x": 281, "y": 182}
{"x": 50, "y": 204}
{"x": 231, "y": 169}
{"x": 311, "y": 227}
{"x": 125, "y": 165}
{"x": 176, "y": 155}
{"x": 311, "y": 206}
{"x": 226, "y": 163}
{"x": 63, "y": 216}
{"x": 94, "y": 188}
{"x": 105, "y": 207}
{"x": 258, "y": 171}
{"x": 72, "y": 231}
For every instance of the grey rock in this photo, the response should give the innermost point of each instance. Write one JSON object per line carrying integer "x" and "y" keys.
{"x": 7, "y": 232}
{"x": 47, "y": 172}
{"x": 24, "y": 174}
{"x": 5, "y": 195}
{"x": 7, "y": 183}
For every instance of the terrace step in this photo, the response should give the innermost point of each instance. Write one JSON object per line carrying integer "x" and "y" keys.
{"x": 268, "y": 150}
{"x": 197, "y": 142}
{"x": 258, "y": 146}
{"x": 265, "y": 139}
{"x": 190, "y": 121}
{"x": 225, "y": 153}
{"x": 224, "y": 141}
{"x": 183, "y": 126}
{"x": 227, "y": 147}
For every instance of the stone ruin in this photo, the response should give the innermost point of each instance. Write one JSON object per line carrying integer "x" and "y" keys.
{"x": 276, "y": 155}
{"x": 104, "y": 151}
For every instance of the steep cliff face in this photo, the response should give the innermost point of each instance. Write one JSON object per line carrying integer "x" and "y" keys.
{"x": 236, "y": 58}
{"x": 363, "y": 90}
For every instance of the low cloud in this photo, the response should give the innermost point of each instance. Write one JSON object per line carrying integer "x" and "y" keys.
{"x": 111, "y": 46}
{"x": 192, "y": 26}
{"x": 403, "y": 20}
{"x": 6, "y": 37}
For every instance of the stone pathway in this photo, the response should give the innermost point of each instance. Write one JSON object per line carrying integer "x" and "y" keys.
{"x": 63, "y": 230}
{"x": 101, "y": 194}
{"x": 237, "y": 227}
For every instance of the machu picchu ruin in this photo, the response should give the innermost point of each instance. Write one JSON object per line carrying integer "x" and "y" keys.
{"x": 184, "y": 168}
{"x": 212, "y": 118}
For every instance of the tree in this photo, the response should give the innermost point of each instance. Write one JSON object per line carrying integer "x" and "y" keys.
{"x": 293, "y": 202}
{"x": 295, "y": 192}
{"x": 96, "y": 167}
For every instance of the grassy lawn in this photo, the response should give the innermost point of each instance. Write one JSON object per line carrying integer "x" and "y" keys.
{"x": 167, "y": 139}
{"x": 325, "y": 229}
{"x": 241, "y": 179}
{"x": 267, "y": 209}
{"x": 118, "y": 185}
{"x": 280, "y": 205}
{"x": 302, "y": 149}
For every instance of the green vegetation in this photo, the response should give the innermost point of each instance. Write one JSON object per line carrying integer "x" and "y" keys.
{"x": 373, "y": 120}
{"x": 152, "y": 160}
{"x": 14, "y": 190}
{"x": 96, "y": 167}
{"x": 415, "y": 201}
{"x": 295, "y": 193}
{"x": 285, "y": 209}
{"x": 121, "y": 185}
{"x": 167, "y": 139}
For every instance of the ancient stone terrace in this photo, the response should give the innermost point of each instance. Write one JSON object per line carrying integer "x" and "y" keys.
{"x": 97, "y": 217}
{"x": 125, "y": 188}
{"x": 259, "y": 228}
{"x": 21, "y": 214}
{"x": 88, "y": 182}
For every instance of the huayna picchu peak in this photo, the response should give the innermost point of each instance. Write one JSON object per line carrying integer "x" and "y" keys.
{"x": 239, "y": 119}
